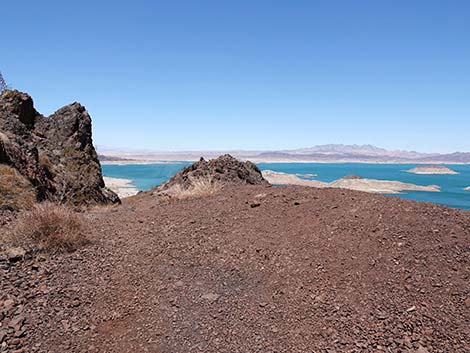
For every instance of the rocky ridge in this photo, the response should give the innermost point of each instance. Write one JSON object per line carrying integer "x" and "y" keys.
{"x": 55, "y": 154}
{"x": 225, "y": 169}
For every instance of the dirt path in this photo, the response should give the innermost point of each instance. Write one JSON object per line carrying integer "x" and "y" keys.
{"x": 256, "y": 269}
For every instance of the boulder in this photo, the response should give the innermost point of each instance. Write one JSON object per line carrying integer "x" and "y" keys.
{"x": 56, "y": 153}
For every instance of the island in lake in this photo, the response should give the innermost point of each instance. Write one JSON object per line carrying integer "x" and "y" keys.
{"x": 467, "y": 189}
{"x": 432, "y": 169}
{"x": 351, "y": 182}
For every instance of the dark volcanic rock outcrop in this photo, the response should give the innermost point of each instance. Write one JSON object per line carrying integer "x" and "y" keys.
{"x": 224, "y": 169}
{"x": 55, "y": 153}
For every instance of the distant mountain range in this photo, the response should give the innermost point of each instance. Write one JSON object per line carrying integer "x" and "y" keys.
{"x": 323, "y": 153}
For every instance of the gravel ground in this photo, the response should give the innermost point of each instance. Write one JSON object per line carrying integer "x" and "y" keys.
{"x": 253, "y": 269}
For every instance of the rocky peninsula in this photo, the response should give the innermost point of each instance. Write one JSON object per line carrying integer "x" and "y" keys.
{"x": 432, "y": 169}
{"x": 349, "y": 182}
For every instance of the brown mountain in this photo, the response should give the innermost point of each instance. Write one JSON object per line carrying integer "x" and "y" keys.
{"x": 322, "y": 153}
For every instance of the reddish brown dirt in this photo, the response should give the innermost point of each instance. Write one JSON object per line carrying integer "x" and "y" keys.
{"x": 254, "y": 269}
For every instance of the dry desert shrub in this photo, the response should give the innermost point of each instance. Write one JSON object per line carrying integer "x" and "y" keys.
{"x": 50, "y": 227}
{"x": 16, "y": 192}
{"x": 200, "y": 187}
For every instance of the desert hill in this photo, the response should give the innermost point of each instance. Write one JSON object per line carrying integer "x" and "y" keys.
{"x": 224, "y": 170}
{"x": 248, "y": 268}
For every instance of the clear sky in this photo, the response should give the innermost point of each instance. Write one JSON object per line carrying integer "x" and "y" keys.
{"x": 248, "y": 74}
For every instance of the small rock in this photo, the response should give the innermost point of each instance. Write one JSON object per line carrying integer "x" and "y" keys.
{"x": 410, "y": 309}
{"x": 19, "y": 333}
{"x": 210, "y": 296}
{"x": 65, "y": 325}
{"x": 7, "y": 304}
{"x": 255, "y": 204}
{"x": 421, "y": 349}
{"x": 15, "y": 254}
{"x": 75, "y": 304}
{"x": 381, "y": 316}
{"x": 17, "y": 322}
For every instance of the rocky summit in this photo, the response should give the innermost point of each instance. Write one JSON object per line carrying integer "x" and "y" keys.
{"x": 54, "y": 154}
{"x": 225, "y": 169}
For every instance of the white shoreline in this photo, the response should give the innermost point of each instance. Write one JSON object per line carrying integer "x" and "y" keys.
{"x": 122, "y": 187}
{"x": 359, "y": 184}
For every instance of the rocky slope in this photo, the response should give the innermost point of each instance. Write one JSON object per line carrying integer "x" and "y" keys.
{"x": 252, "y": 269}
{"x": 55, "y": 154}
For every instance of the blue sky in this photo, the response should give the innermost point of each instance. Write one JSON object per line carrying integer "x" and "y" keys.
{"x": 179, "y": 75}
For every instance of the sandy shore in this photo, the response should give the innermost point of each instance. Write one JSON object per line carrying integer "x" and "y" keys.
{"x": 122, "y": 187}
{"x": 352, "y": 183}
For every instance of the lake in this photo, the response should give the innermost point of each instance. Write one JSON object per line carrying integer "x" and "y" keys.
{"x": 145, "y": 176}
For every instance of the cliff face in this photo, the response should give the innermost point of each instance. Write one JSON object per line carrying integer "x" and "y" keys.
{"x": 56, "y": 153}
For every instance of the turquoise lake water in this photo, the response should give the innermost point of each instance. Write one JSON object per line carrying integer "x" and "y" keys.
{"x": 145, "y": 176}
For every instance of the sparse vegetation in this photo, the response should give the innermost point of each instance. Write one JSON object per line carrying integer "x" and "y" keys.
{"x": 45, "y": 161}
{"x": 3, "y": 84}
{"x": 200, "y": 187}
{"x": 16, "y": 192}
{"x": 50, "y": 227}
